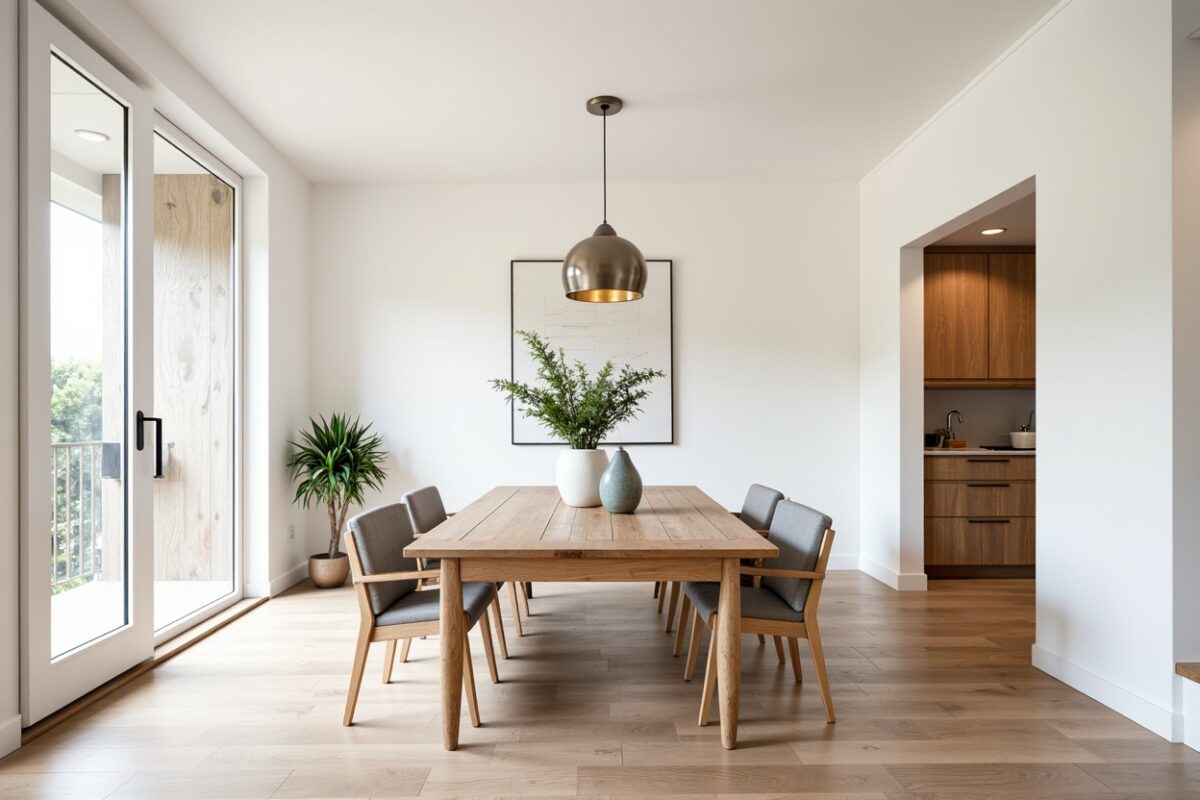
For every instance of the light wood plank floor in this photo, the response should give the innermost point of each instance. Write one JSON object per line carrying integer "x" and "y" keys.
{"x": 934, "y": 694}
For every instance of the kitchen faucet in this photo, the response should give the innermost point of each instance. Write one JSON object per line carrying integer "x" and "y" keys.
{"x": 950, "y": 424}
{"x": 1029, "y": 426}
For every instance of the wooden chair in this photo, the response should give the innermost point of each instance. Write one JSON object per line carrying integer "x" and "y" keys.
{"x": 426, "y": 511}
{"x": 784, "y": 605}
{"x": 757, "y": 510}
{"x": 391, "y": 607}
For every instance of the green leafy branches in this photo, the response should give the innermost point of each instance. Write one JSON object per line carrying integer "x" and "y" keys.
{"x": 334, "y": 463}
{"x": 575, "y": 408}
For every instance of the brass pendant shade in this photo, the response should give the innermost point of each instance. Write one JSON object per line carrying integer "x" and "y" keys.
{"x": 604, "y": 268}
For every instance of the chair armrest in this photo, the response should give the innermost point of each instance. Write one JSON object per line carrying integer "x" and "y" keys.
{"x": 385, "y": 577}
{"x": 783, "y": 573}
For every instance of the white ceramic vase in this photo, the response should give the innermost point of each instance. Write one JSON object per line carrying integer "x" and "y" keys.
{"x": 578, "y": 475}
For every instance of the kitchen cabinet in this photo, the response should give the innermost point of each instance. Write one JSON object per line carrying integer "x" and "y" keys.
{"x": 979, "y": 515}
{"x": 956, "y": 319}
{"x": 1011, "y": 325}
{"x": 980, "y": 320}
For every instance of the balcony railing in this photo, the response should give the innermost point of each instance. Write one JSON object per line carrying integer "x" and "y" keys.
{"x": 77, "y": 522}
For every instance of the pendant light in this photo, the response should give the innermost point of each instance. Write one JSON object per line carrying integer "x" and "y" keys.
{"x": 604, "y": 268}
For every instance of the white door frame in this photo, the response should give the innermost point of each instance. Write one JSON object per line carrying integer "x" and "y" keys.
{"x": 48, "y": 684}
{"x": 169, "y": 131}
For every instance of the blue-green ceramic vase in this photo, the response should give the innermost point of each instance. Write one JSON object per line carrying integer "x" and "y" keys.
{"x": 620, "y": 485}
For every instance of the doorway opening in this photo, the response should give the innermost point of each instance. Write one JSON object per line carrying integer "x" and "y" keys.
{"x": 980, "y": 386}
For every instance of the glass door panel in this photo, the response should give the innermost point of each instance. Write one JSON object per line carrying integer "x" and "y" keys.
{"x": 85, "y": 301}
{"x": 194, "y": 530}
{"x": 88, "y": 576}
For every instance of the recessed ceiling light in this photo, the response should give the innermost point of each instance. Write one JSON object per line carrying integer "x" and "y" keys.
{"x": 992, "y": 231}
{"x": 91, "y": 136}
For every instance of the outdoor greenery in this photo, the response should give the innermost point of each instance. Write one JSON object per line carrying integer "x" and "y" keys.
{"x": 576, "y": 408}
{"x": 76, "y": 415}
{"x": 334, "y": 463}
{"x": 75, "y": 401}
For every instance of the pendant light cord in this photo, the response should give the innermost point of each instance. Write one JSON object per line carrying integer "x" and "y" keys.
{"x": 604, "y": 146}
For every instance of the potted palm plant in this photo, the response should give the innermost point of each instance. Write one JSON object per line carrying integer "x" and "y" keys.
{"x": 579, "y": 409}
{"x": 334, "y": 463}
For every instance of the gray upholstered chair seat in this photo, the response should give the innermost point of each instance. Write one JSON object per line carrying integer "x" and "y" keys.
{"x": 425, "y": 606}
{"x": 756, "y": 603}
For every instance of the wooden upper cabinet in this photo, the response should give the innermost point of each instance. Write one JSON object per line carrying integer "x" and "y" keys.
{"x": 1011, "y": 316}
{"x": 980, "y": 320}
{"x": 956, "y": 316}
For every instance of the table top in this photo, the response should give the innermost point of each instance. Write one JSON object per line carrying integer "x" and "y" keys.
{"x": 533, "y": 522}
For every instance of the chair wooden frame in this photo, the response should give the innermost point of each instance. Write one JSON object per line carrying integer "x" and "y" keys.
{"x": 369, "y": 633}
{"x": 497, "y": 617}
{"x": 792, "y": 631}
{"x": 660, "y": 592}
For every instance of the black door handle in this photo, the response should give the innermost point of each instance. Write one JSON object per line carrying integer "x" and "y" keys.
{"x": 142, "y": 419}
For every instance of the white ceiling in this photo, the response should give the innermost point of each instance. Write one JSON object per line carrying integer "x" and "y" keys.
{"x": 478, "y": 90}
{"x": 1017, "y": 218}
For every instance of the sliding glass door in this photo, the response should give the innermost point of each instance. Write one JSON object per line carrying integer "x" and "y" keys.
{"x": 129, "y": 373}
{"x": 86, "y": 295}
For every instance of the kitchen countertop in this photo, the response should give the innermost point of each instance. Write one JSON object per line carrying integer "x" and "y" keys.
{"x": 975, "y": 451}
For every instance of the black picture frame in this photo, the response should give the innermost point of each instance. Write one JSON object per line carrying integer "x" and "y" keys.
{"x": 512, "y": 268}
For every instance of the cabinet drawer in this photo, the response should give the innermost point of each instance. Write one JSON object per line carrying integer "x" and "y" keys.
{"x": 966, "y": 468}
{"x": 983, "y": 498}
{"x": 974, "y": 541}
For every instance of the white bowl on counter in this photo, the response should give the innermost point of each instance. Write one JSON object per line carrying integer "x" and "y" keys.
{"x": 1023, "y": 440}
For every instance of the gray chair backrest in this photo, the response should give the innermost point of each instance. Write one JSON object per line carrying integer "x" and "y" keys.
{"x": 759, "y": 506}
{"x": 797, "y": 531}
{"x": 425, "y": 508}
{"x": 380, "y": 535}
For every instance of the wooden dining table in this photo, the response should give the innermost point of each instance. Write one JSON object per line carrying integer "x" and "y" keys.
{"x": 527, "y": 533}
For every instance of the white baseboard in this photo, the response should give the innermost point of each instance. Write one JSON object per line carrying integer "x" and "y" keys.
{"x": 1151, "y": 716}
{"x": 289, "y": 579}
{"x": 843, "y": 562}
{"x": 277, "y": 584}
{"x": 10, "y": 735}
{"x": 900, "y": 581}
{"x": 1191, "y": 712}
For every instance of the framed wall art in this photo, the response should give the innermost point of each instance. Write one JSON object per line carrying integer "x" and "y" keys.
{"x": 638, "y": 333}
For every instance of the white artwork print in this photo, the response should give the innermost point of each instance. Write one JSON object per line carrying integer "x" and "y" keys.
{"x": 637, "y": 333}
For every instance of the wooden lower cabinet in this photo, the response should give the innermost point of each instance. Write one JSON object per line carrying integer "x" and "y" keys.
{"x": 980, "y": 523}
{"x": 979, "y": 498}
{"x": 979, "y": 540}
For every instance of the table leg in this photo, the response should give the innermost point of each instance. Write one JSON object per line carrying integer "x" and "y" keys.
{"x": 729, "y": 650}
{"x": 452, "y": 650}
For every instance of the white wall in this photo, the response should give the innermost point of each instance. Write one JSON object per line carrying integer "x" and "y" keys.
{"x": 1083, "y": 104}
{"x": 410, "y": 319}
{"x": 1186, "y": 433}
{"x": 10, "y": 678}
{"x": 1186, "y": 430}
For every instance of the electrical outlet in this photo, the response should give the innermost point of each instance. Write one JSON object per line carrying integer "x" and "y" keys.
{"x": 291, "y": 532}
